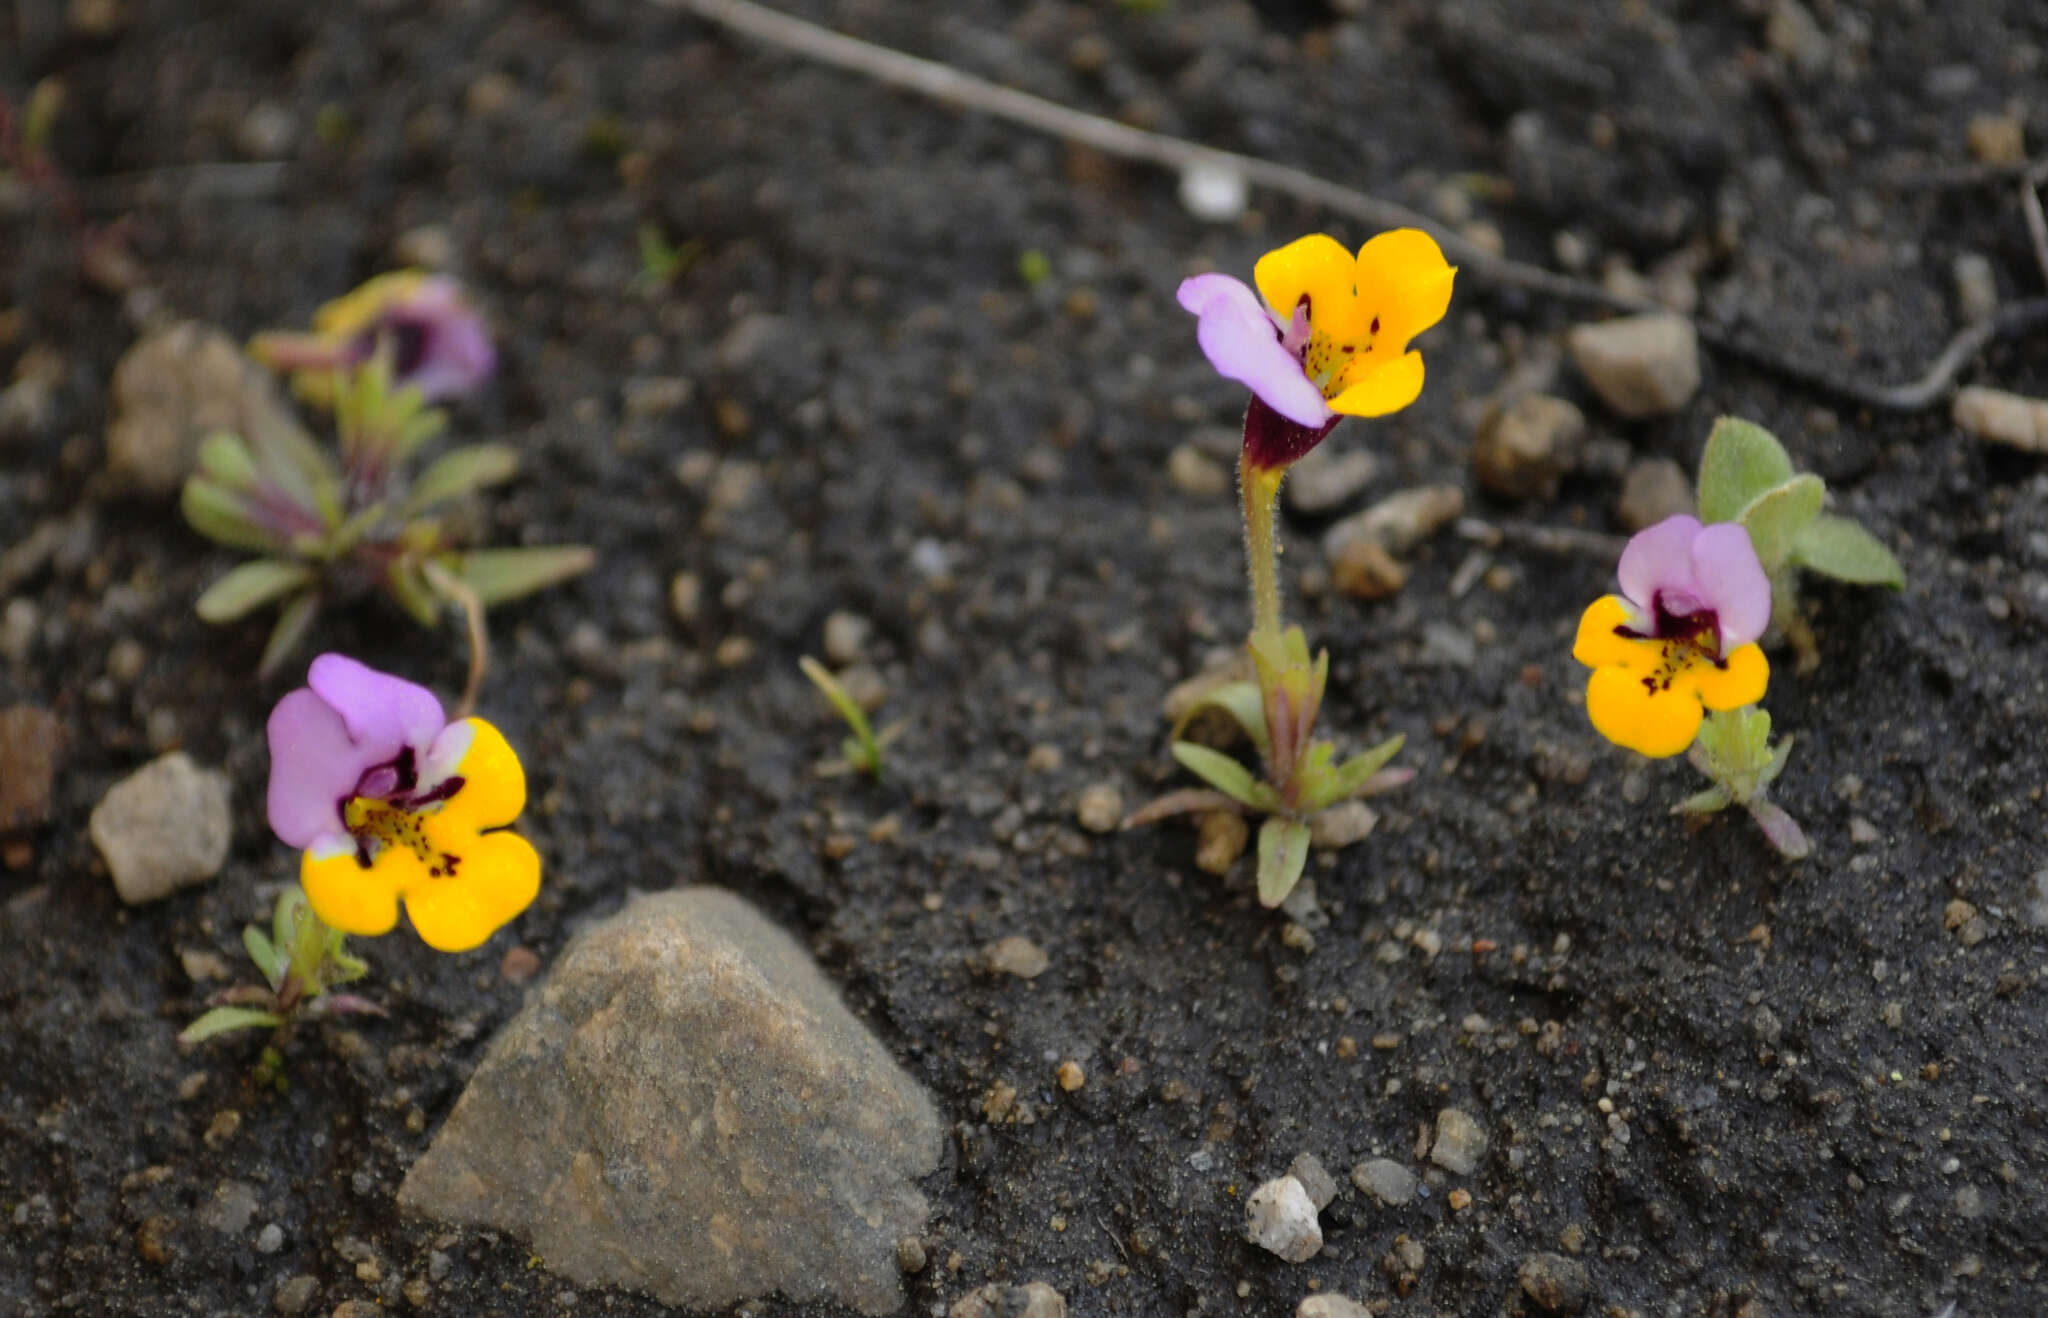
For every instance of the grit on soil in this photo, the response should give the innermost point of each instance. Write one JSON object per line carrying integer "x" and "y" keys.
{"x": 1730, "y": 1085}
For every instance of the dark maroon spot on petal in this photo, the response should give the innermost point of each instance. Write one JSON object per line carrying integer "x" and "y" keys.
{"x": 1375, "y": 326}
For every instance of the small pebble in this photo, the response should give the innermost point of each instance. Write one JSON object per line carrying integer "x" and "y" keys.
{"x": 1342, "y": 825}
{"x": 1522, "y": 450}
{"x": 1195, "y": 473}
{"x": 1331, "y": 1306}
{"x": 1364, "y": 570}
{"x": 1280, "y": 1218}
{"x": 1032, "y": 1300}
{"x": 1222, "y": 839}
{"x": 1654, "y": 489}
{"x": 1641, "y": 366}
{"x": 270, "y": 1239}
{"x": 164, "y": 827}
{"x": 1400, "y": 522}
{"x": 1998, "y": 139}
{"x": 1557, "y": 1283}
{"x": 910, "y": 1255}
{"x": 685, "y": 597}
{"x": 1101, "y": 808}
{"x": 845, "y": 635}
{"x": 1328, "y": 478}
{"x": 1215, "y": 193}
{"x": 1016, "y": 956}
{"x": 2003, "y": 418}
{"x": 1460, "y": 1142}
{"x": 1070, "y": 1075}
{"x": 1976, "y": 287}
{"x": 1314, "y": 1178}
{"x": 1385, "y": 1180}
{"x": 520, "y": 964}
{"x": 294, "y": 1294}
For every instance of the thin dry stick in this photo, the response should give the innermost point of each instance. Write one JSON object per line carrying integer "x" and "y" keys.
{"x": 951, "y": 86}
{"x": 1565, "y": 540}
{"x": 2037, "y": 224}
{"x": 457, "y": 592}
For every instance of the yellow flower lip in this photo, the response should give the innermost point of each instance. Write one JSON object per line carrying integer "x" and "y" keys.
{"x": 1650, "y": 694}
{"x": 445, "y": 855}
{"x": 1362, "y": 312}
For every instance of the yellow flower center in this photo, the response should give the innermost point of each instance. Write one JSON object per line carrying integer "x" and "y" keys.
{"x": 370, "y": 820}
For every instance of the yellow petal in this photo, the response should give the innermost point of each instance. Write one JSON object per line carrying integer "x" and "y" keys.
{"x": 1627, "y": 711}
{"x": 351, "y": 898}
{"x": 1739, "y": 680}
{"x": 1404, "y": 282}
{"x": 1371, "y": 389}
{"x": 1600, "y": 643}
{"x": 357, "y": 310}
{"x": 1319, "y": 267}
{"x": 493, "y": 788}
{"x": 497, "y": 876}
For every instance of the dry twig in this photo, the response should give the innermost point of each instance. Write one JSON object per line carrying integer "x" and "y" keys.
{"x": 2037, "y": 224}
{"x": 951, "y": 86}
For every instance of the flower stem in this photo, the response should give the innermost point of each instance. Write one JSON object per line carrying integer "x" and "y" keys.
{"x": 457, "y": 592}
{"x": 1259, "y": 487}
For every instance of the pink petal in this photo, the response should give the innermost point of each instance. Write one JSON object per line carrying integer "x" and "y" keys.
{"x": 314, "y": 763}
{"x": 382, "y": 712}
{"x": 1659, "y": 558}
{"x": 459, "y": 358}
{"x": 459, "y": 355}
{"x": 1241, "y": 341}
{"x": 1732, "y": 583}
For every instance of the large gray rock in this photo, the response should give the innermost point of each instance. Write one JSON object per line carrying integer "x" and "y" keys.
{"x": 686, "y": 1109}
{"x": 163, "y": 827}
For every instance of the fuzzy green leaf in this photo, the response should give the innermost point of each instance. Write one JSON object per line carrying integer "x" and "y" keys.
{"x": 219, "y": 514}
{"x": 1226, "y": 776}
{"x": 226, "y": 459}
{"x": 223, "y": 1020}
{"x": 250, "y": 587}
{"x": 265, "y": 954}
{"x": 405, "y": 584}
{"x": 1782, "y": 830}
{"x": 339, "y": 966}
{"x": 1780, "y": 755}
{"x": 1241, "y": 700}
{"x": 1839, "y": 548}
{"x": 499, "y": 575}
{"x": 301, "y": 468}
{"x": 293, "y": 622}
{"x": 1775, "y": 518}
{"x": 1705, "y": 803}
{"x": 1351, "y": 776}
{"x": 1742, "y": 460}
{"x": 1283, "y": 852}
{"x": 458, "y": 471}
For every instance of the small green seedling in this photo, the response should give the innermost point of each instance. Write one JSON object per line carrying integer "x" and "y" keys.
{"x": 1735, "y": 750}
{"x": 663, "y": 262}
{"x": 1302, "y": 776}
{"x": 862, "y": 751}
{"x": 1747, "y": 477}
{"x": 331, "y": 532}
{"x": 301, "y": 960}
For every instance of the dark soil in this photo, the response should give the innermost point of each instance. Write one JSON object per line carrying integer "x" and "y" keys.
{"x": 1738, "y": 1087}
